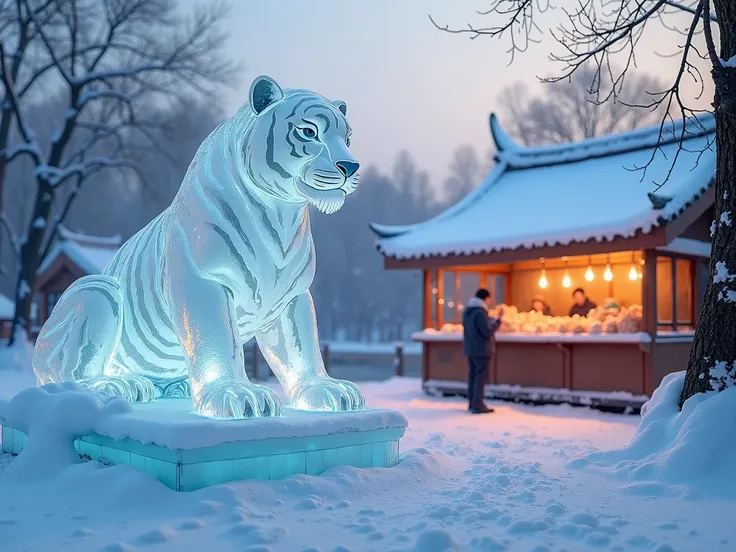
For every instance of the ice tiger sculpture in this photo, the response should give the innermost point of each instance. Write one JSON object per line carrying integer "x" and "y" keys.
{"x": 230, "y": 259}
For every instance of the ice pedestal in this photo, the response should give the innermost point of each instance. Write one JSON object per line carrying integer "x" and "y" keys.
{"x": 187, "y": 452}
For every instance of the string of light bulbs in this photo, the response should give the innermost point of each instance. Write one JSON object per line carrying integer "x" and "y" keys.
{"x": 635, "y": 273}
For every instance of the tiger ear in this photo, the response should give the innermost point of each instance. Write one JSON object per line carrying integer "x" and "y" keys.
{"x": 342, "y": 106}
{"x": 264, "y": 92}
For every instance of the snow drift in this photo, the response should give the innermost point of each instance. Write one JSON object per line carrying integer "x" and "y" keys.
{"x": 53, "y": 416}
{"x": 693, "y": 447}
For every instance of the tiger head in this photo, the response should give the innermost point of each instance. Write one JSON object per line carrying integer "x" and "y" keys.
{"x": 296, "y": 147}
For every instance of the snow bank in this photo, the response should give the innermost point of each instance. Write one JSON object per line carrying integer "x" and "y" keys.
{"x": 692, "y": 447}
{"x": 18, "y": 356}
{"x": 53, "y": 416}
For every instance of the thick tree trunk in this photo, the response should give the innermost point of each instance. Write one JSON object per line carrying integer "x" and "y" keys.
{"x": 715, "y": 335}
{"x": 30, "y": 258}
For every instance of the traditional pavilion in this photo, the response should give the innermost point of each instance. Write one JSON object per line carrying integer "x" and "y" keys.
{"x": 74, "y": 255}
{"x": 549, "y": 219}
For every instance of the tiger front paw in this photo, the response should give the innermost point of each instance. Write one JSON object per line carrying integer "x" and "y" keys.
{"x": 327, "y": 394}
{"x": 132, "y": 387}
{"x": 237, "y": 399}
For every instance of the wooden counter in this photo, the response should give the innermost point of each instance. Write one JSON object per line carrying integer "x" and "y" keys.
{"x": 617, "y": 367}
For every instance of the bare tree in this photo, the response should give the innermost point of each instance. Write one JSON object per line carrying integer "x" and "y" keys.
{"x": 594, "y": 32}
{"x": 465, "y": 174}
{"x": 113, "y": 61}
{"x": 569, "y": 110}
{"x": 16, "y": 27}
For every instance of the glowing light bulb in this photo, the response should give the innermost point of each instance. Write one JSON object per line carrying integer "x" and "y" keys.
{"x": 566, "y": 281}
{"x": 633, "y": 274}
{"x": 608, "y": 274}
{"x": 589, "y": 276}
{"x": 543, "y": 279}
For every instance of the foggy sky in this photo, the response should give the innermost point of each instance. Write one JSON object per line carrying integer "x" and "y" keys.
{"x": 407, "y": 84}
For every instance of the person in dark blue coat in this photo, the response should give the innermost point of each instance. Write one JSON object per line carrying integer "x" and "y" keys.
{"x": 478, "y": 332}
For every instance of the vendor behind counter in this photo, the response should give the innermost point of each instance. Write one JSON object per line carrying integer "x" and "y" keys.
{"x": 581, "y": 304}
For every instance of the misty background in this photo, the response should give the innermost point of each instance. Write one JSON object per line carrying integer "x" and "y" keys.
{"x": 418, "y": 101}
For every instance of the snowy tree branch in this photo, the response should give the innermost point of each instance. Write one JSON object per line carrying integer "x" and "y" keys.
{"x": 30, "y": 146}
{"x": 690, "y": 9}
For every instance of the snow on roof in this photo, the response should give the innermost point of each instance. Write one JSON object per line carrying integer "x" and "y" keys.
{"x": 84, "y": 239}
{"x": 90, "y": 253}
{"x": 560, "y": 194}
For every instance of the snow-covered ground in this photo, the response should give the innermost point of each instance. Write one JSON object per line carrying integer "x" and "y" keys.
{"x": 514, "y": 481}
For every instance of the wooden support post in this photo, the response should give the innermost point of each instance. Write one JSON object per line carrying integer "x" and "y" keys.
{"x": 695, "y": 291}
{"x": 456, "y": 298}
{"x": 399, "y": 360}
{"x": 440, "y": 295}
{"x": 326, "y": 357}
{"x": 673, "y": 273}
{"x": 649, "y": 305}
{"x": 649, "y": 292}
{"x": 427, "y": 305}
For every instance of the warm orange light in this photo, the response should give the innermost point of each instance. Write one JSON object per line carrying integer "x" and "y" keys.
{"x": 608, "y": 274}
{"x": 543, "y": 279}
{"x": 633, "y": 274}
{"x": 589, "y": 276}
{"x": 566, "y": 281}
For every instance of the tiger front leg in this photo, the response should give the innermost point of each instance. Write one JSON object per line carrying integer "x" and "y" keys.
{"x": 203, "y": 313}
{"x": 291, "y": 348}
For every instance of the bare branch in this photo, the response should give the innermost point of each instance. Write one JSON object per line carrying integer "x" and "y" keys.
{"x": 61, "y": 216}
{"x": 518, "y": 24}
{"x": 691, "y": 10}
{"x": 12, "y": 97}
{"x": 710, "y": 45}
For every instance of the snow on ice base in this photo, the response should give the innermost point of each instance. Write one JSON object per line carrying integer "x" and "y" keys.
{"x": 51, "y": 426}
{"x": 693, "y": 447}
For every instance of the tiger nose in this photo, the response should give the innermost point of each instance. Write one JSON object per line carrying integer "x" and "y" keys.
{"x": 348, "y": 168}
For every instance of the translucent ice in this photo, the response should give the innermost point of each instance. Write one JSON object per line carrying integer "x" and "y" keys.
{"x": 231, "y": 259}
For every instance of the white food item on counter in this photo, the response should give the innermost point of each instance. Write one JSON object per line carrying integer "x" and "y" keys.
{"x": 608, "y": 318}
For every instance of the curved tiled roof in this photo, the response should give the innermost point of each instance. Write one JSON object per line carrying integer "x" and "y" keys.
{"x": 567, "y": 193}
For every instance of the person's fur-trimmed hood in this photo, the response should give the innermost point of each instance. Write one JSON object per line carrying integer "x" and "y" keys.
{"x": 477, "y": 302}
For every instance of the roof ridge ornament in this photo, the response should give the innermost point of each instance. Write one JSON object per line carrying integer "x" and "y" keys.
{"x": 502, "y": 140}
{"x": 658, "y": 201}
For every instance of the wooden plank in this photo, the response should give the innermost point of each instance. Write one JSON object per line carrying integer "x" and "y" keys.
{"x": 440, "y": 295}
{"x": 427, "y": 295}
{"x": 673, "y": 272}
{"x": 695, "y": 286}
{"x": 649, "y": 305}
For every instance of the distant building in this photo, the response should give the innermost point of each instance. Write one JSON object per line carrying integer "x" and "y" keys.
{"x": 73, "y": 256}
